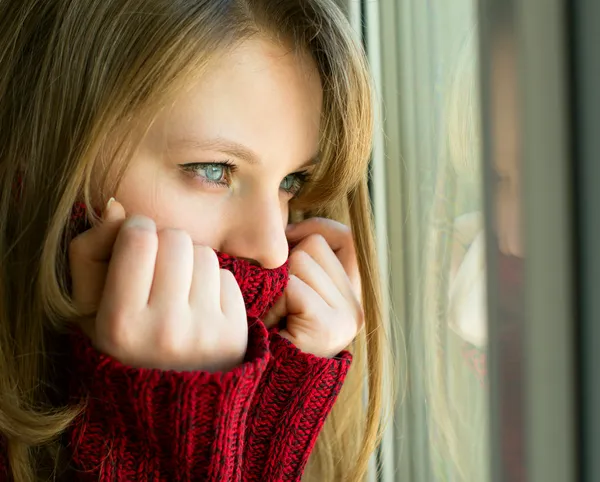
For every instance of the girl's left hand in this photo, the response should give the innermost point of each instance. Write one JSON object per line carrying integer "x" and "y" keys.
{"x": 322, "y": 298}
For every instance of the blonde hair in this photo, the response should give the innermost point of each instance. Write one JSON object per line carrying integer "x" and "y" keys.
{"x": 80, "y": 84}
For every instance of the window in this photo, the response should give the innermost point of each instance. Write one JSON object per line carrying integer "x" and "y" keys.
{"x": 472, "y": 196}
{"x": 436, "y": 234}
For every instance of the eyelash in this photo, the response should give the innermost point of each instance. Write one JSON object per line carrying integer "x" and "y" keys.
{"x": 300, "y": 178}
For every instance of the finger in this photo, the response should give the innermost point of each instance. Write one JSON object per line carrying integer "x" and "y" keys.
{"x": 89, "y": 254}
{"x": 276, "y": 313}
{"x": 131, "y": 269}
{"x": 319, "y": 250}
{"x": 302, "y": 265}
{"x": 206, "y": 280}
{"x": 338, "y": 237}
{"x": 173, "y": 269}
{"x": 232, "y": 301}
{"x": 298, "y": 299}
{"x": 302, "y": 303}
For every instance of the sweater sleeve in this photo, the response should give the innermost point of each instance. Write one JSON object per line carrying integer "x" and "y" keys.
{"x": 143, "y": 424}
{"x": 257, "y": 422}
{"x": 294, "y": 397}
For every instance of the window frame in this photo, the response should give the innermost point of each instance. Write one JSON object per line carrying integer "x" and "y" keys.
{"x": 539, "y": 34}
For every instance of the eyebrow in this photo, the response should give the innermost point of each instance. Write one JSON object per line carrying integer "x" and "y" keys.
{"x": 229, "y": 147}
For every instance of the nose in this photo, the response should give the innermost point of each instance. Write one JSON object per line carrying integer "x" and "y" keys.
{"x": 257, "y": 233}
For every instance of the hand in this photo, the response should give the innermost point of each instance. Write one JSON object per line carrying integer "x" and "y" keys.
{"x": 322, "y": 299}
{"x": 161, "y": 301}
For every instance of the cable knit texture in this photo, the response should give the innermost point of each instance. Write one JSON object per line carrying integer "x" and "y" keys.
{"x": 258, "y": 422}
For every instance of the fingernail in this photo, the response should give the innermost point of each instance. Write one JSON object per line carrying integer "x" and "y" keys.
{"x": 107, "y": 208}
{"x": 290, "y": 227}
{"x": 140, "y": 222}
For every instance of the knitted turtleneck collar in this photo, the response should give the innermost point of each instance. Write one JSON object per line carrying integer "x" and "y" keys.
{"x": 260, "y": 287}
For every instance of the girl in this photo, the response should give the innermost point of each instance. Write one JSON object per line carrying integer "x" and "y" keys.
{"x": 159, "y": 317}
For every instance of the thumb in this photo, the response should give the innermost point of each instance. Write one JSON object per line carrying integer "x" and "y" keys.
{"x": 89, "y": 254}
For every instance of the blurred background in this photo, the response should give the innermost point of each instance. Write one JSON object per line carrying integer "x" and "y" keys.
{"x": 484, "y": 183}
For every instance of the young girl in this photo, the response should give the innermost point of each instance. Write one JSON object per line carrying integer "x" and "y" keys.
{"x": 159, "y": 317}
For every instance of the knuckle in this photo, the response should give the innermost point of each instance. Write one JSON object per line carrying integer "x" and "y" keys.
{"x": 221, "y": 338}
{"x": 316, "y": 241}
{"x": 224, "y": 356}
{"x": 170, "y": 340}
{"x": 236, "y": 342}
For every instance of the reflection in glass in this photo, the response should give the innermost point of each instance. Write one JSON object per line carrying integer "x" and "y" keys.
{"x": 455, "y": 305}
{"x": 456, "y": 325}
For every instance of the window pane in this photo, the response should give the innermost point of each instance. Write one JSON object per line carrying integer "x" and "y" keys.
{"x": 454, "y": 308}
{"x": 427, "y": 71}
{"x": 448, "y": 323}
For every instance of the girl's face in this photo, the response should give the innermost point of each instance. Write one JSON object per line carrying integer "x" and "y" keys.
{"x": 508, "y": 196}
{"x": 224, "y": 162}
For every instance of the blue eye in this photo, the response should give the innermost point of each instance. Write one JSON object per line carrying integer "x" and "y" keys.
{"x": 213, "y": 172}
{"x": 293, "y": 183}
{"x": 288, "y": 182}
{"x": 218, "y": 173}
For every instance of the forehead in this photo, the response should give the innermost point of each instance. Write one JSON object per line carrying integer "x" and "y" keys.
{"x": 260, "y": 94}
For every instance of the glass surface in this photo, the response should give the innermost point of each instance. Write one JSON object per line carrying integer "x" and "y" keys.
{"x": 449, "y": 326}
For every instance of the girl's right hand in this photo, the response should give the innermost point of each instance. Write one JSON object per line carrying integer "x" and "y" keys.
{"x": 161, "y": 301}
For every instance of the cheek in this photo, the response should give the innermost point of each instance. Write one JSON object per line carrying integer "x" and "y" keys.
{"x": 141, "y": 192}
{"x": 203, "y": 222}
{"x": 167, "y": 201}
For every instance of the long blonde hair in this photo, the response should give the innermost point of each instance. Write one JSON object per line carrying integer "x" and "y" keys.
{"x": 80, "y": 83}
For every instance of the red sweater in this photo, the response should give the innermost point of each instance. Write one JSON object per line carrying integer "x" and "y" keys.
{"x": 258, "y": 422}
